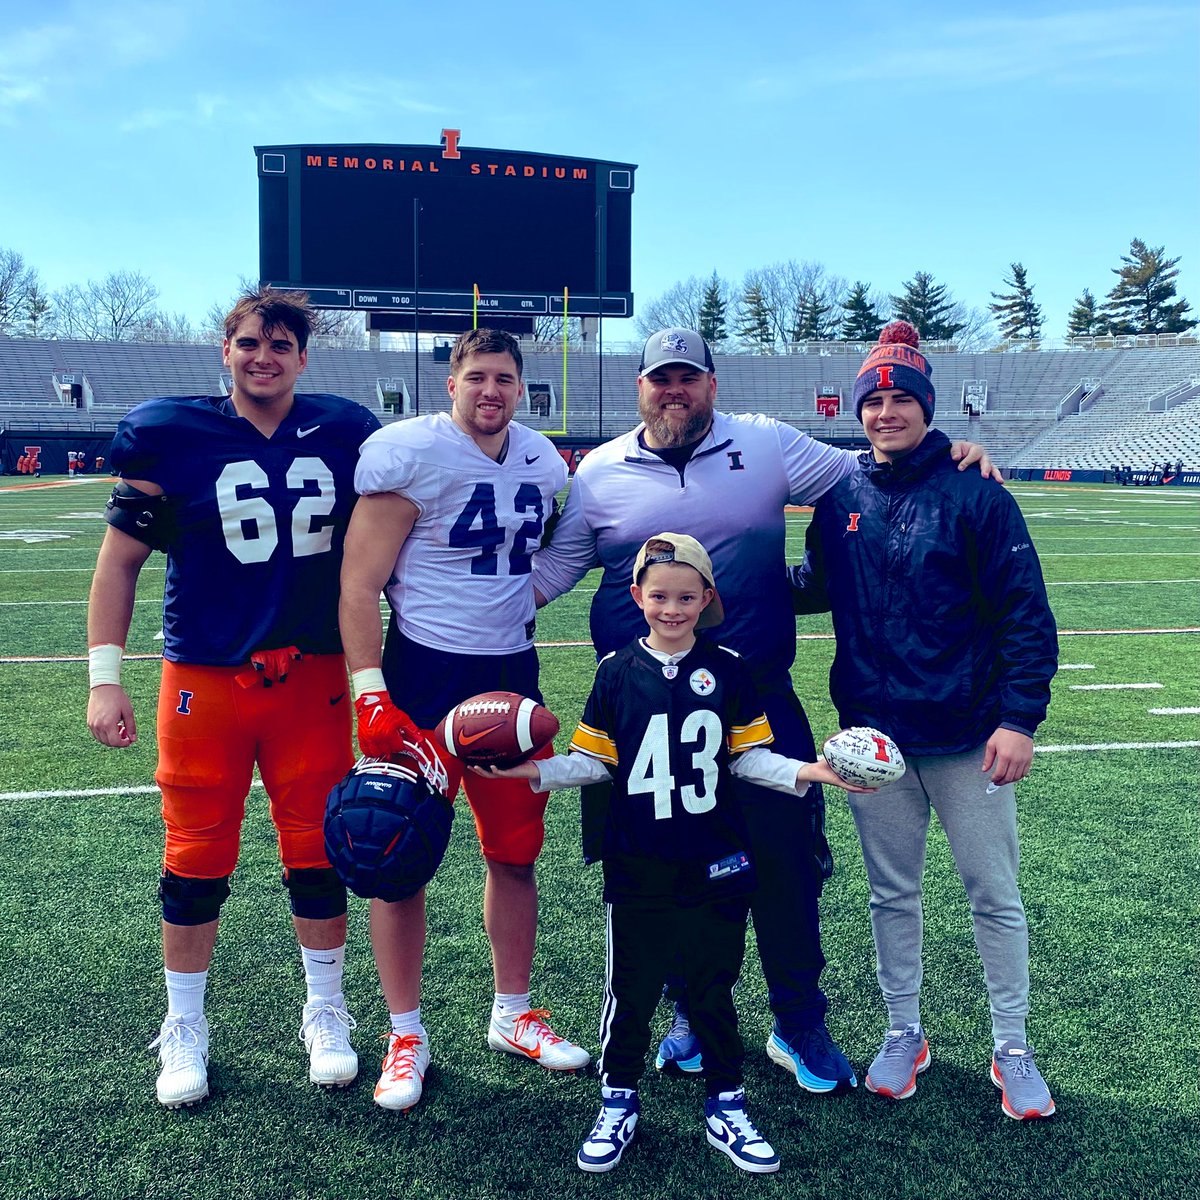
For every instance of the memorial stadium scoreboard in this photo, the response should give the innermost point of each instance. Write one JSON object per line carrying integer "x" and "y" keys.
{"x": 446, "y": 229}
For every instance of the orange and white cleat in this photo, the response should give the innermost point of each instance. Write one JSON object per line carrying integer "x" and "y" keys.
{"x": 530, "y": 1036}
{"x": 404, "y": 1066}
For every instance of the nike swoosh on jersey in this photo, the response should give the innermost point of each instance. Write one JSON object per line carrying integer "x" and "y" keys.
{"x": 467, "y": 739}
{"x": 305, "y": 432}
{"x": 530, "y": 461}
{"x": 336, "y": 699}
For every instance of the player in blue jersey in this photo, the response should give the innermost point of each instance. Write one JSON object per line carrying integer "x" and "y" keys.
{"x": 453, "y": 506}
{"x": 249, "y": 497}
{"x": 726, "y": 480}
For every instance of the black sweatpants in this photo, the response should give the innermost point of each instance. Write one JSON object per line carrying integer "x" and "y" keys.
{"x": 708, "y": 941}
{"x": 791, "y": 861}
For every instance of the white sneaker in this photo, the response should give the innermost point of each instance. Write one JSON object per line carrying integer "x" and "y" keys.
{"x": 325, "y": 1032}
{"x": 182, "y": 1045}
{"x": 404, "y": 1067}
{"x": 529, "y": 1036}
{"x": 612, "y": 1132}
{"x": 731, "y": 1131}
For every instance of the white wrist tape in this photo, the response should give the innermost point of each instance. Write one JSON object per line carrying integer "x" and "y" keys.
{"x": 369, "y": 679}
{"x": 104, "y": 664}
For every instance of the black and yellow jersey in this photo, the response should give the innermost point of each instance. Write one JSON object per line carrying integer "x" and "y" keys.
{"x": 667, "y": 733}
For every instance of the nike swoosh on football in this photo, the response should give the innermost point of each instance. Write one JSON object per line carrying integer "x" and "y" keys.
{"x": 529, "y": 461}
{"x": 305, "y": 432}
{"x": 536, "y": 1052}
{"x": 466, "y": 739}
{"x": 336, "y": 699}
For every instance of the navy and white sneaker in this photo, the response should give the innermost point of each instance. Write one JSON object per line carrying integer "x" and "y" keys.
{"x": 680, "y": 1049}
{"x": 613, "y": 1131}
{"x": 814, "y": 1058}
{"x": 733, "y": 1133}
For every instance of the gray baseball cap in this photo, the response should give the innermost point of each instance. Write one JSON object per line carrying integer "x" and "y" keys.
{"x": 668, "y": 346}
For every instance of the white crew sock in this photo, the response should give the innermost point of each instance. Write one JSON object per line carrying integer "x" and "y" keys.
{"x": 323, "y": 972}
{"x": 185, "y": 992}
{"x": 515, "y": 1004}
{"x": 407, "y": 1022}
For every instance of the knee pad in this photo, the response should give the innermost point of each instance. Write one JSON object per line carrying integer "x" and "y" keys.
{"x": 316, "y": 893}
{"x": 191, "y": 901}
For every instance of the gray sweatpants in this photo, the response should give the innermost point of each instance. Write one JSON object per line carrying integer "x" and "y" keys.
{"x": 982, "y": 832}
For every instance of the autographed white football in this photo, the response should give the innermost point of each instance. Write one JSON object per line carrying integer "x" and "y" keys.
{"x": 864, "y": 756}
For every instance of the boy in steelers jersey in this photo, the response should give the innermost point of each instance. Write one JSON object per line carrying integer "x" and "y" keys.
{"x": 671, "y": 718}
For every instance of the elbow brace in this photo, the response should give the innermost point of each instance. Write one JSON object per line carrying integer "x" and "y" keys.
{"x": 144, "y": 517}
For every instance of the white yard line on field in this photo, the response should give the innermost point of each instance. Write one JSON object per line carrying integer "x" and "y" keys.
{"x": 1109, "y": 582}
{"x": 150, "y": 790}
{"x": 1115, "y": 746}
{"x": 1115, "y": 687}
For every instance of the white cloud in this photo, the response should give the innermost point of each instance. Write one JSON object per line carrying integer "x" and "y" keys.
{"x": 92, "y": 42}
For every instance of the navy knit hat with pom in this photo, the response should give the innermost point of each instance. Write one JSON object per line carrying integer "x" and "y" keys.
{"x": 896, "y": 363}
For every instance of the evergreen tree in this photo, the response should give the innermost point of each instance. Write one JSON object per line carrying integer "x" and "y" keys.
{"x": 861, "y": 319}
{"x": 37, "y": 311}
{"x": 1017, "y": 314}
{"x": 815, "y": 320}
{"x": 927, "y": 306}
{"x": 1084, "y": 319}
{"x": 1143, "y": 300}
{"x": 754, "y": 329}
{"x": 713, "y": 307}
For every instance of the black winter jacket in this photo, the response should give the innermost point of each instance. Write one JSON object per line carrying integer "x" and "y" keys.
{"x": 944, "y": 631}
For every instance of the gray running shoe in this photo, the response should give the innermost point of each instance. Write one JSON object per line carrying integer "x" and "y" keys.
{"x": 1023, "y": 1091}
{"x": 902, "y": 1057}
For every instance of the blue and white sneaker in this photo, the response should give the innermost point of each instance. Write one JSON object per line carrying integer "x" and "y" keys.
{"x": 814, "y": 1058}
{"x": 680, "y": 1049}
{"x": 613, "y": 1131}
{"x": 733, "y": 1133}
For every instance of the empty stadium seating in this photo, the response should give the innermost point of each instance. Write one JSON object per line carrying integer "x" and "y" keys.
{"x": 1024, "y": 391}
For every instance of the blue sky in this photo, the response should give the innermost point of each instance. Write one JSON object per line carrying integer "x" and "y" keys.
{"x": 877, "y": 139}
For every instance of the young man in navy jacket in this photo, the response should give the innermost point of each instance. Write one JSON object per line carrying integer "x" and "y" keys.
{"x": 945, "y": 640}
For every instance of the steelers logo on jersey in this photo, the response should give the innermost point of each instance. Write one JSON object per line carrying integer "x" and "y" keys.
{"x": 702, "y": 682}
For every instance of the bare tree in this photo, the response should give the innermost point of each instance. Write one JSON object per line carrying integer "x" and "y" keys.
{"x": 71, "y": 317}
{"x": 679, "y": 306}
{"x": 339, "y": 329}
{"x": 122, "y": 301}
{"x": 115, "y": 309}
{"x": 976, "y": 330}
{"x": 17, "y": 280}
{"x": 167, "y": 327}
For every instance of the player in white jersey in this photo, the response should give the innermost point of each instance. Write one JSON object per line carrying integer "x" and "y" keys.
{"x": 452, "y": 508}
{"x": 478, "y": 521}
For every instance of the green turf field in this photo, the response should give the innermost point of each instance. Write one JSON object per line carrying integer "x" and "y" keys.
{"x": 1109, "y": 832}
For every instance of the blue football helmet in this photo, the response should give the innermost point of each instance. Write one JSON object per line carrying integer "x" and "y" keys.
{"x": 387, "y": 823}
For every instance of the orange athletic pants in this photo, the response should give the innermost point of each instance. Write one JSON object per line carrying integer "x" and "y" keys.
{"x": 215, "y": 724}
